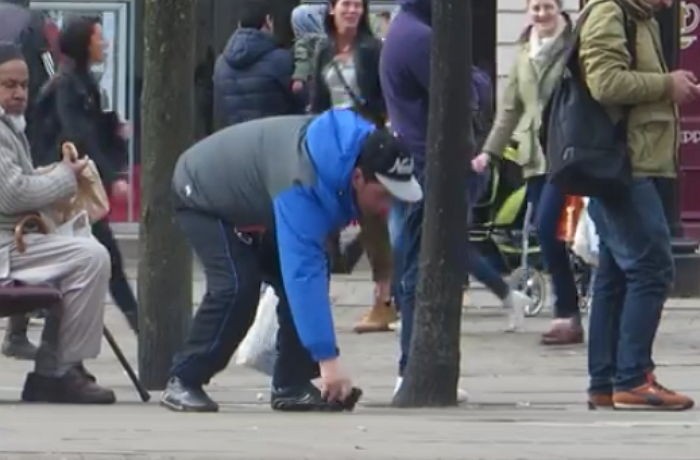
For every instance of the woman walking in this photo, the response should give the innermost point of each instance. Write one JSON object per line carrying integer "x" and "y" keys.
{"x": 73, "y": 105}
{"x": 346, "y": 74}
{"x": 538, "y": 66}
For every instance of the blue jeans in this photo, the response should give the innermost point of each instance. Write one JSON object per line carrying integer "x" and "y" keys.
{"x": 405, "y": 223}
{"x": 405, "y": 234}
{"x": 632, "y": 283}
{"x": 548, "y": 202}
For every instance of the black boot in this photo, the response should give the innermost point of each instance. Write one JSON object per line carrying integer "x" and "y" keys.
{"x": 180, "y": 397}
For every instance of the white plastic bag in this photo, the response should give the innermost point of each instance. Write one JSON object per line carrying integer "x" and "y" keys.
{"x": 77, "y": 226}
{"x": 258, "y": 350}
{"x": 586, "y": 239}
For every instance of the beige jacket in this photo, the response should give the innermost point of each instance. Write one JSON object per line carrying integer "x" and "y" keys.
{"x": 22, "y": 190}
{"x": 529, "y": 87}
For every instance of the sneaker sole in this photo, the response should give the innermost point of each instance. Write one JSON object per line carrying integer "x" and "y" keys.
{"x": 371, "y": 329}
{"x": 182, "y": 408}
{"x": 649, "y": 407}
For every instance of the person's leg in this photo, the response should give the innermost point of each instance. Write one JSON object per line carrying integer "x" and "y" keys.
{"x": 79, "y": 268}
{"x": 232, "y": 272}
{"x": 479, "y": 267}
{"x": 16, "y": 344}
{"x": 638, "y": 238}
{"x": 566, "y": 327}
{"x": 294, "y": 365}
{"x": 604, "y": 323}
{"x": 515, "y": 302}
{"x": 119, "y": 286}
{"x": 377, "y": 244}
{"x": 294, "y": 370}
{"x": 410, "y": 246}
{"x": 556, "y": 257}
{"x": 395, "y": 225}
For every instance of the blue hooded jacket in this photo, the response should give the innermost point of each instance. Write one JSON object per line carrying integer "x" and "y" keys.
{"x": 305, "y": 216}
{"x": 290, "y": 175}
{"x": 252, "y": 79}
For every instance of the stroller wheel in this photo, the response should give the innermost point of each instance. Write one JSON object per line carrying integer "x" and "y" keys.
{"x": 532, "y": 283}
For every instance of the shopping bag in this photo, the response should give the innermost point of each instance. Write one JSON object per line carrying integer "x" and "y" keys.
{"x": 569, "y": 218}
{"x": 78, "y": 226}
{"x": 258, "y": 350}
{"x": 91, "y": 195}
{"x": 585, "y": 243}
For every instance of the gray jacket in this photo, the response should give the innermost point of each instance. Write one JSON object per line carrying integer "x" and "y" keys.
{"x": 236, "y": 172}
{"x": 22, "y": 190}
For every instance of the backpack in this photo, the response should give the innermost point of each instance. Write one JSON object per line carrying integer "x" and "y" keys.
{"x": 587, "y": 153}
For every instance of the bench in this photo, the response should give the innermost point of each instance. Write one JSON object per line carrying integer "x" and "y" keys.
{"x": 17, "y": 298}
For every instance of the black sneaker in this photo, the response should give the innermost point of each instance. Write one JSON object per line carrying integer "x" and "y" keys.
{"x": 307, "y": 398}
{"x": 182, "y": 398}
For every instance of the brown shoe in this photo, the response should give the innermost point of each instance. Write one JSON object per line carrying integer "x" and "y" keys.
{"x": 600, "y": 401}
{"x": 75, "y": 387}
{"x": 563, "y": 332}
{"x": 377, "y": 319}
{"x": 651, "y": 396}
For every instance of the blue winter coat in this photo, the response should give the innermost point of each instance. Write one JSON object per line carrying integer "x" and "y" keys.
{"x": 252, "y": 79}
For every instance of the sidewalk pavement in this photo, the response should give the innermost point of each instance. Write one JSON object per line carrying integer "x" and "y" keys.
{"x": 526, "y": 402}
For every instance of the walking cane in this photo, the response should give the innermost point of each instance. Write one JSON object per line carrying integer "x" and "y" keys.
{"x": 145, "y": 395}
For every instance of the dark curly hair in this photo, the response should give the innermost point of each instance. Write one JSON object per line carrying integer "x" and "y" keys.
{"x": 75, "y": 38}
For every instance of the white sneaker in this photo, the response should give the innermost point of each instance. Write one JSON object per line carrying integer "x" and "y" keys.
{"x": 516, "y": 302}
{"x": 462, "y": 395}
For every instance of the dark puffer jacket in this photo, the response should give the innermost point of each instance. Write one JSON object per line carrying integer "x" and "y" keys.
{"x": 252, "y": 79}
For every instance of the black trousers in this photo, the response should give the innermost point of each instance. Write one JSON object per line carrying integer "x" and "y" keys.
{"x": 235, "y": 265}
{"x": 119, "y": 287}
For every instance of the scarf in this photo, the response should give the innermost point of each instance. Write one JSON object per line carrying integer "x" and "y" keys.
{"x": 540, "y": 47}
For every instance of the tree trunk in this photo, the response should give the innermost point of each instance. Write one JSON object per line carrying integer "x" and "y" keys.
{"x": 165, "y": 268}
{"x": 431, "y": 376}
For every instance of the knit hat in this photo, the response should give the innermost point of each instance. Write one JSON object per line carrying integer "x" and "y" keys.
{"x": 10, "y": 52}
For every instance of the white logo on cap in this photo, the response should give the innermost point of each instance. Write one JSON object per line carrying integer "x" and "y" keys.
{"x": 403, "y": 166}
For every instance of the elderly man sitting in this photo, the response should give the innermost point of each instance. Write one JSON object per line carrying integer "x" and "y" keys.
{"x": 78, "y": 267}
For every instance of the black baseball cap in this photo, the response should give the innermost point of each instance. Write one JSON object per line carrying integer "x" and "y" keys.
{"x": 384, "y": 155}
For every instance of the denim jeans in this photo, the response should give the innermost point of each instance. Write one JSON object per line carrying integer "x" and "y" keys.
{"x": 405, "y": 234}
{"x": 405, "y": 223}
{"x": 548, "y": 202}
{"x": 632, "y": 283}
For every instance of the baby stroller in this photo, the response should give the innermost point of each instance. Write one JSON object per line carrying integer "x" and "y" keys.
{"x": 503, "y": 232}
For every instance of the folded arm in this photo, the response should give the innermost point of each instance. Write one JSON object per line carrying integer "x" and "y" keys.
{"x": 21, "y": 193}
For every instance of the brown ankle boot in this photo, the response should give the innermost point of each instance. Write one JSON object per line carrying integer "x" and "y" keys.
{"x": 377, "y": 319}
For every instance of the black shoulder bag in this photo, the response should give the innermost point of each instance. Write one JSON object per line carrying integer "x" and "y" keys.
{"x": 587, "y": 153}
